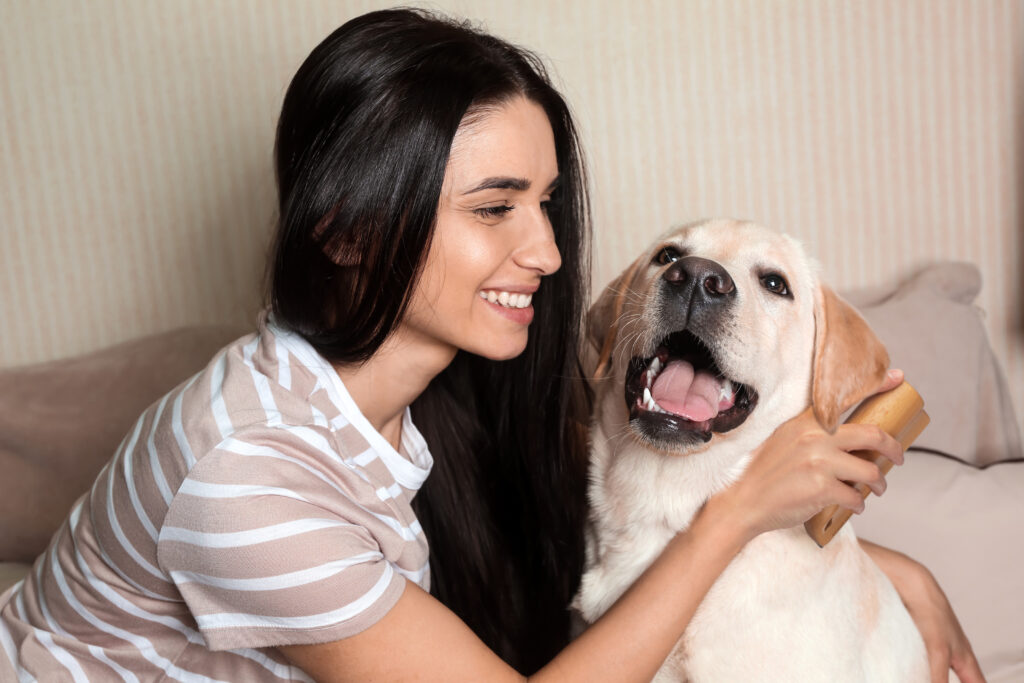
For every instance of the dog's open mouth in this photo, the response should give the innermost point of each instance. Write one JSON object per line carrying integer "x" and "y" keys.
{"x": 680, "y": 391}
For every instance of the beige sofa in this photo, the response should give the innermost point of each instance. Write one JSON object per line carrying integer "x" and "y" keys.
{"x": 957, "y": 504}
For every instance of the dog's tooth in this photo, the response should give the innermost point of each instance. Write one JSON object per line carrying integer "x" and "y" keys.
{"x": 503, "y": 298}
{"x": 725, "y": 394}
{"x": 492, "y": 296}
{"x": 649, "y": 402}
{"x": 655, "y": 367}
{"x": 529, "y": 300}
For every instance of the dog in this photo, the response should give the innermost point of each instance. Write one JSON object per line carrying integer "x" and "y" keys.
{"x": 710, "y": 340}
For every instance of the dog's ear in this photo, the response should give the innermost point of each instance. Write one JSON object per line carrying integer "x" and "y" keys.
{"x": 603, "y": 320}
{"x": 849, "y": 360}
{"x": 601, "y": 314}
{"x": 600, "y": 319}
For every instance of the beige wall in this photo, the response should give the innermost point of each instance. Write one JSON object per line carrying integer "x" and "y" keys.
{"x": 135, "y": 143}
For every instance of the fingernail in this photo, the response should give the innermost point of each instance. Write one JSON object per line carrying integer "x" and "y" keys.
{"x": 893, "y": 373}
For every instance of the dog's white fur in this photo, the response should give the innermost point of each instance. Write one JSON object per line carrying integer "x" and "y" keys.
{"x": 784, "y": 609}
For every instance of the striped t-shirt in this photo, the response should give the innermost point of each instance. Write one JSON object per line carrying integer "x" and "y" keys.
{"x": 252, "y": 506}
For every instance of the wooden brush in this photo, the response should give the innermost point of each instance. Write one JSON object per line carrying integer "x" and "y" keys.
{"x": 900, "y": 413}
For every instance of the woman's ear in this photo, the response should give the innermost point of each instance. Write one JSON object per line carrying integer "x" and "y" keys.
{"x": 342, "y": 249}
{"x": 849, "y": 360}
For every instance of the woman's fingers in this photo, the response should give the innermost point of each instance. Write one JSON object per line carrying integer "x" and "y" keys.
{"x": 853, "y": 470}
{"x": 868, "y": 437}
{"x": 802, "y": 469}
{"x": 966, "y": 666}
{"x": 938, "y": 663}
{"x": 892, "y": 379}
{"x": 847, "y": 497}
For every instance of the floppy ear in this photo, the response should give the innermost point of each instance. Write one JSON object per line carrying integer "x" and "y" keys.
{"x": 601, "y": 315}
{"x": 849, "y": 360}
{"x": 603, "y": 321}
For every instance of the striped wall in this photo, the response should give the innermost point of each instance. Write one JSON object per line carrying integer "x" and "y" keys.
{"x": 135, "y": 143}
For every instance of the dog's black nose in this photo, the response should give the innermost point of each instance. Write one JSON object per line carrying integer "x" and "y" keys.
{"x": 710, "y": 279}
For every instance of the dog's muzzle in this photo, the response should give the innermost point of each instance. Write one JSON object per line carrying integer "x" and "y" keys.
{"x": 678, "y": 396}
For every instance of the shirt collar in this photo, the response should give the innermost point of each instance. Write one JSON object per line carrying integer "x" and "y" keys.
{"x": 410, "y": 471}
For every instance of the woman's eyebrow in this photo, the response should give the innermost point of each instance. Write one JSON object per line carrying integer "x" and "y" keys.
{"x": 509, "y": 183}
{"x": 502, "y": 183}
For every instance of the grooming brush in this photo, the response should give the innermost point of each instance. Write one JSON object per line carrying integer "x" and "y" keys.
{"x": 900, "y": 413}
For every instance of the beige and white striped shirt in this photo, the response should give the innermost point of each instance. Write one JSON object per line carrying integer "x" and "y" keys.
{"x": 252, "y": 506}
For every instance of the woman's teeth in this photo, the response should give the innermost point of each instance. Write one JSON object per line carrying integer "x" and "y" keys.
{"x": 506, "y": 299}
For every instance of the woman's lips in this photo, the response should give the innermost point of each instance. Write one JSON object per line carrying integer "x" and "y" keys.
{"x": 514, "y": 306}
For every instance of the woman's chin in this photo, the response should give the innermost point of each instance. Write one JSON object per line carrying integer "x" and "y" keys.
{"x": 505, "y": 348}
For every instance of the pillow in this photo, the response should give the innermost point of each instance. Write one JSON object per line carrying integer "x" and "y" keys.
{"x": 935, "y": 334}
{"x": 964, "y": 523}
{"x": 60, "y": 422}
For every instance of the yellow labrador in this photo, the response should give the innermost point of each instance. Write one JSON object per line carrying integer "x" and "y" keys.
{"x": 715, "y": 336}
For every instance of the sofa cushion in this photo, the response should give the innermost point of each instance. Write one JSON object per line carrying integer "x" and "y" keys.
{"x": 937, "y": 336}
{"x": 60, "y": 422}
{"x": 965, "y": 524}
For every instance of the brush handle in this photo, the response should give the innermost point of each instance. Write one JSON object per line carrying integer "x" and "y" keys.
{"x": 900, "y": 413}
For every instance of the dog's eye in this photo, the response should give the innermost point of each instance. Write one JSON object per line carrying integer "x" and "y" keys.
{"x": 668, "y": 255}
{"x": 775, "y": 284}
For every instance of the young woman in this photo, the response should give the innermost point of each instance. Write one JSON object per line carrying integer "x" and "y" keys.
{"x": 268, "y": 520}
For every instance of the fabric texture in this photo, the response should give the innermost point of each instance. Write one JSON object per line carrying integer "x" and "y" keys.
{"x": 964, "y": 524}
{"x": 61, "y": 421}
{"x": 936, "y": 335}
{"x": 252, "y": 506}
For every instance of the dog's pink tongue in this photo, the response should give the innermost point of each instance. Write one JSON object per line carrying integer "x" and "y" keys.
{"x": 680, "y": 390}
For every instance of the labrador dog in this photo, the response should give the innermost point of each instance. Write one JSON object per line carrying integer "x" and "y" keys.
{"x": 715, "y": 336}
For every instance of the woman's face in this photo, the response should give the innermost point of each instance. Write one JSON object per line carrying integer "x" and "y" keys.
{"x": 493, "y": 242}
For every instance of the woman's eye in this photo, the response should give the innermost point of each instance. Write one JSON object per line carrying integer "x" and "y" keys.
{"x": 668, "y": 255}
{"x": 493, "y": 211}
{"x": 775, "y": 283}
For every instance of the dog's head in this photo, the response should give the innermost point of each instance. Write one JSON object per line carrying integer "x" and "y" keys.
{"x": 721, "y": 327}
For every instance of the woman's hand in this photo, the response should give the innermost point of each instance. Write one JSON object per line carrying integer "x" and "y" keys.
{"x": 802, "y": 469}
{"x": 943, "y": 636}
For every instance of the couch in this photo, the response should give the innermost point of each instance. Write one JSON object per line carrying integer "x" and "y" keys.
{"x": 957, "y": 504}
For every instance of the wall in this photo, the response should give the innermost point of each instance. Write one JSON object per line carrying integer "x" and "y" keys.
{"x": 136, "y": 190}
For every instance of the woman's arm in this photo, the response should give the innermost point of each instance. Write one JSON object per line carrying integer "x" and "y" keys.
{"x": 420, "y": 639}
{"x": 944, "y": 638}
{"x": 798, "y": 471}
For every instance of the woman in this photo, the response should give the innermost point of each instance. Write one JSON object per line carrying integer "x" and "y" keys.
{"x": 259, "y": 522}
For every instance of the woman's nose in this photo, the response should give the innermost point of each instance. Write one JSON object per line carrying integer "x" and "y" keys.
{"x": 540, "y": 252}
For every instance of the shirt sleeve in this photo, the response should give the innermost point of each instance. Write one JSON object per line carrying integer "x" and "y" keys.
{"x": 268, "y": 548}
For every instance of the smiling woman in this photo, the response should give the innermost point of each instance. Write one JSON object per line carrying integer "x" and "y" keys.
{"x": 493, "y": 241}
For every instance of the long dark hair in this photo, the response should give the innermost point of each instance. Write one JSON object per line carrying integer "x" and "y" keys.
{"x": 362, "y": 144}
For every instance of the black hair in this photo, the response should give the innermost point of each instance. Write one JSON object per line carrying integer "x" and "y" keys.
{"x": 362, "y": 145}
